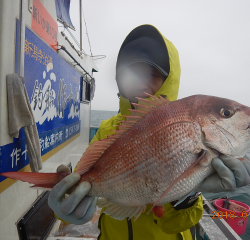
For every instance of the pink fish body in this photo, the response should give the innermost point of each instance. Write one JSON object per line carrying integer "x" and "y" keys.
{"x": 162, "y": 152}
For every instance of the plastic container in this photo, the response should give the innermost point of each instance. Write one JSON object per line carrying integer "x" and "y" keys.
{"x": 239, "y": 223}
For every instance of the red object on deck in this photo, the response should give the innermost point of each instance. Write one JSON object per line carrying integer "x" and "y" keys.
{"x": 236, "y": 219}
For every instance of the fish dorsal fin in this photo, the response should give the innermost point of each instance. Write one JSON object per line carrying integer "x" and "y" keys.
{"x": 144, "y": 107}
{"x": 96, "y": 149}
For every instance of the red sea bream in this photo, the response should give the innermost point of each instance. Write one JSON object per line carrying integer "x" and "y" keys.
{"x": 162, "y": 152}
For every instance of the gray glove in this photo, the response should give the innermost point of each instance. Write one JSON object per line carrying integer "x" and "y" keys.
{"x": 77, "y": 208}
{"x": 231, "y": 173}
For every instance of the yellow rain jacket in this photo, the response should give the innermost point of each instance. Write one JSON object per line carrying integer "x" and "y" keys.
{"x": 175, "y": 224}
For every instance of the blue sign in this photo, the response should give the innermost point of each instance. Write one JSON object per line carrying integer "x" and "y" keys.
{"x": 53, "y": 87}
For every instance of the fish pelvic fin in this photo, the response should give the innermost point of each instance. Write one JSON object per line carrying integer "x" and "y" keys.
{"x": 42, "y": 180}
{"x": 182, "y": 176}
{"x": 119, "y": 212}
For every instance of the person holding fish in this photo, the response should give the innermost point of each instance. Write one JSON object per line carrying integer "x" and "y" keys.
{"x": 147, "y": 63}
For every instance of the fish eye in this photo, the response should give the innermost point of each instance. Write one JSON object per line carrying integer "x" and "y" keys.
{"x": 227, "y": 113}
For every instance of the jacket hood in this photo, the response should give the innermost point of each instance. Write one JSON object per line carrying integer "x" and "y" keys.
{"x": 170, "y": 87}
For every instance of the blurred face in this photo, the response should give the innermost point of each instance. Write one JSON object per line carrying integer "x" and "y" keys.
{"x": 139, "y": 78}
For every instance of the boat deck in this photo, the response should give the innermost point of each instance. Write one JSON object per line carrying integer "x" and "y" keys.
{"x": 65, "y": 231}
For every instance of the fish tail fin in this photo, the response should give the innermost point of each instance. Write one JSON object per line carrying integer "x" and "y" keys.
{"x": 40, "y": 180}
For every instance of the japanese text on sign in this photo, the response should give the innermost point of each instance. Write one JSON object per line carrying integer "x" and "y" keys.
{"x": 32, "y": 51}
{"x": 44, "y": 24}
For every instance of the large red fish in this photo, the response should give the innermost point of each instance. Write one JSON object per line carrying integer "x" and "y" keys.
{"x": 162, "y": 152}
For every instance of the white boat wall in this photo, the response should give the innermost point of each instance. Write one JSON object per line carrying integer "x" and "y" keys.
{"x": 54, "y": 84}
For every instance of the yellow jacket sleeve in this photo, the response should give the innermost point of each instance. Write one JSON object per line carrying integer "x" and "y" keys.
{"x": 175, "y": 221}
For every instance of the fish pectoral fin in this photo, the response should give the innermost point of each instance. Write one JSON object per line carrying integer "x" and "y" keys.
{"x": 207, "y": 158}
{"x": 119, "y": 212}
{"x": 182, "y": 176}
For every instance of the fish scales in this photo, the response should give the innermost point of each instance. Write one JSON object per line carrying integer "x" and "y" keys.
{"x": 188, "y": 184}
{"x": 162, "y": 148}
